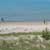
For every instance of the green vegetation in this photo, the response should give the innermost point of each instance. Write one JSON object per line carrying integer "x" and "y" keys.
{"x": 22, "y": 33}
{"x": 46, "y": 34}
{"x": 23, "y": 45}
{"x": 26, "y": 41}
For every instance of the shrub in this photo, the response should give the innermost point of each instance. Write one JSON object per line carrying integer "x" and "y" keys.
{"x": 46, "y": 34}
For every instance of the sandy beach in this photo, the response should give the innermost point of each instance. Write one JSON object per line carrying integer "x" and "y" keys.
{"x": 9, "y": 27}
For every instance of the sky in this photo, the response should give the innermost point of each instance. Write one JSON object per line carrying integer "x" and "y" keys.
{"x": 25, "y": 10}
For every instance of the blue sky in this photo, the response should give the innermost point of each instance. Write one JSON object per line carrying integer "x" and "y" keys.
{"x": 25, "y": 10}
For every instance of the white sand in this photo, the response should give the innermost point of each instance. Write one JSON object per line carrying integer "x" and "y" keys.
{"x": 9, "y": 27}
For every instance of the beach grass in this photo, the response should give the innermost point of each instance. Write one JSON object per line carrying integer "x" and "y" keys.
{"x": 24, "y": 33}
{"x": 23, "y": 49}
{"x": 21, "y": 43}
